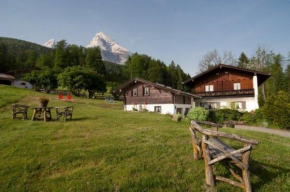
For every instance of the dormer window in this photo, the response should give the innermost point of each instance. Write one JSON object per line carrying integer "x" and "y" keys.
{"x": 135, "y": 92}
{"x": 209, "y": 88}
{"x": 146, "y": 91}
{"x": 237, "y": 86}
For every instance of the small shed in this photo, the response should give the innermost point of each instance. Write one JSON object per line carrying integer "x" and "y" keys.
{"x": 6, "y": 79}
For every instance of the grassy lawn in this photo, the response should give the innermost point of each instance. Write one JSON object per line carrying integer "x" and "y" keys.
{"x": 106, "y": 149}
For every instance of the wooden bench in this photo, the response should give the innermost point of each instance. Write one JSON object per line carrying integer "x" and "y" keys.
{"x": 19, "y": 109}
{"x": 213, "y": 149}
{"x": 65, "y": 112}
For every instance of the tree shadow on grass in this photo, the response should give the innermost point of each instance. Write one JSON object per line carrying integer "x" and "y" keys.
{"x": 265, "y": 172}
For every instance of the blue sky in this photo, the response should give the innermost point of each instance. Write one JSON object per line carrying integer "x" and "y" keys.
{"x": 182, "y": 31}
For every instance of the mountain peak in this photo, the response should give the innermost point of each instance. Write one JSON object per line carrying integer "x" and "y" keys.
{"x": 50, "y": 43}
{"x": 110, "y": 50}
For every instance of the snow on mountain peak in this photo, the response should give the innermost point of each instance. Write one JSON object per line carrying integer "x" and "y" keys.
{"x": 111, "y": 51}
{"x": 50, "y": 43}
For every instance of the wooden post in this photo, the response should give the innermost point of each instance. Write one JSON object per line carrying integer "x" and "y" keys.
{"x": 209, "y": 178}
{"x": 33, "y": 116}
{"x": 44, "y": 115}
{"x": 245, "y": 172}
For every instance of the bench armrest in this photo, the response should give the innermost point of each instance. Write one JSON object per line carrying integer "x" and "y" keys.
{"x": 222, "y": 134}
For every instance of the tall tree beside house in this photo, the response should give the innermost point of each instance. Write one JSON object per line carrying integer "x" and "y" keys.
{"x": 277, "y": 109}
{"x": 261, "y": 62}
{"x": 94, "y": 60}
{"x": 45, "y": 60}
{"x": 213, "y": 58}
{"x": 73, "y": 55}
{"x": 145, "y": 67}
{"x": 82, "y": 56}
{"x": 154, "y": 71}
{"x": 277, "y": 81}
{"x": 287, "y": 76}
{"x": 180, "y": 79}
{"x": 60, "y": 55}
{"x": 172, "y": 74}
{"x": 243, "y": 61}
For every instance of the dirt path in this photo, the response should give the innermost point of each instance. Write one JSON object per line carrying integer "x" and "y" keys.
{"x": 284, "y": 133}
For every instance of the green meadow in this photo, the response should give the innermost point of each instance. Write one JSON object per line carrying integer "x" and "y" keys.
{"x": 104, "y": 148}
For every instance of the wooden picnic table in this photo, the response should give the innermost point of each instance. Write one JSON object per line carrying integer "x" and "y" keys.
{"x": 40, "y": 113}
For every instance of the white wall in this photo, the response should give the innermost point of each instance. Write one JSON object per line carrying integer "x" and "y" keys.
{"x": 165, "y": 108}
{"x": 256, "y": 91}
{"x": 251, "y": 102}
{"x": 18, "y": 83}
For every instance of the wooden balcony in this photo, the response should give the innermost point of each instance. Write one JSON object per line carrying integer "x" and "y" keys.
{"x": 242, "y": 92}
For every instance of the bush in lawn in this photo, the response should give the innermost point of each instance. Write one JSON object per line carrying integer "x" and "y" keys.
{"x": 248, "y": 118}
{"x": 276, "y": 110}
{"x": 79, "y": 79}
{"x": 198, "y": 114}
{"x": 222, "y": 115}
{"x": 253, "y": 118}
{"x": 45, "y": 79}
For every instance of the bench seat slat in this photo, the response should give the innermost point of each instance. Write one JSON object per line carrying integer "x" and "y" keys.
{"x": 214, "y": 153}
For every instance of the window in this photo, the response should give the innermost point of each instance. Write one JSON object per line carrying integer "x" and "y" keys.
{"x": 157, "y": 109}
{"x": 179, "y": 110}
{"x": 237, "y": 86}
{"x": 238, "y": 105}
{"x": 210, "y": 105}
{"x": 209, "y": 88}
{"x": 146, "y": 91}
{"x": 134, "y": 92}
{"x": 22, "y": 83}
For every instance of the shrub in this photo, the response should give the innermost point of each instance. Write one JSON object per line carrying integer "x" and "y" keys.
{"x": 198, "y": 114}
{"x": 222, "y": 115}
{"x": 276, "y": 110}
{"x": 253, "y": 118}
{"x": 248, "y": 118}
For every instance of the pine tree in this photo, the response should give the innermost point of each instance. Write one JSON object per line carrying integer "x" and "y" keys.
{"x": 243, "y": 61}
{"x": 60, "y": 55}
{"x": 94, "y": 60}
{"x": 287, "y": 76}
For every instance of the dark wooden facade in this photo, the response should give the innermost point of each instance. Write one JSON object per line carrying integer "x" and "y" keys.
{"x": 158, "y": 94}
{"x": 223, "y": 78}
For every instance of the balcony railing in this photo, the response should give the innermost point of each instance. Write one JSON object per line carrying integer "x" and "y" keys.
{"x": 249, "y": 92}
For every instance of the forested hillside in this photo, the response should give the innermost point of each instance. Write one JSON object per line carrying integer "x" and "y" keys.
{"x": 68, "y": 63}
{"x": 17, "y": 54}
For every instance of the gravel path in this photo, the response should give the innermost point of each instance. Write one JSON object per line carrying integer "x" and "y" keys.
{"x": 284, "y": 133}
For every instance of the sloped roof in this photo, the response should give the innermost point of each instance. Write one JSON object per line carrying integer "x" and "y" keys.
{"x": 264, "y": 75}
{"x": 157, "y": 85}
{"x": 6, "y": 76}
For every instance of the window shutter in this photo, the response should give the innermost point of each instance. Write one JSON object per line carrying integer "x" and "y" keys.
{"x": 244, "y": 104}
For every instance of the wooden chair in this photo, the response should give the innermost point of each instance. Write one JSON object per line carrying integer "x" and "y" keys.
{"x": 69, "y": 98}
{"x": 60, "y": 97}
{"x": 19, "y": 109}
{"x": 213, "y": 149}
{"x": 65, "y": 112}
